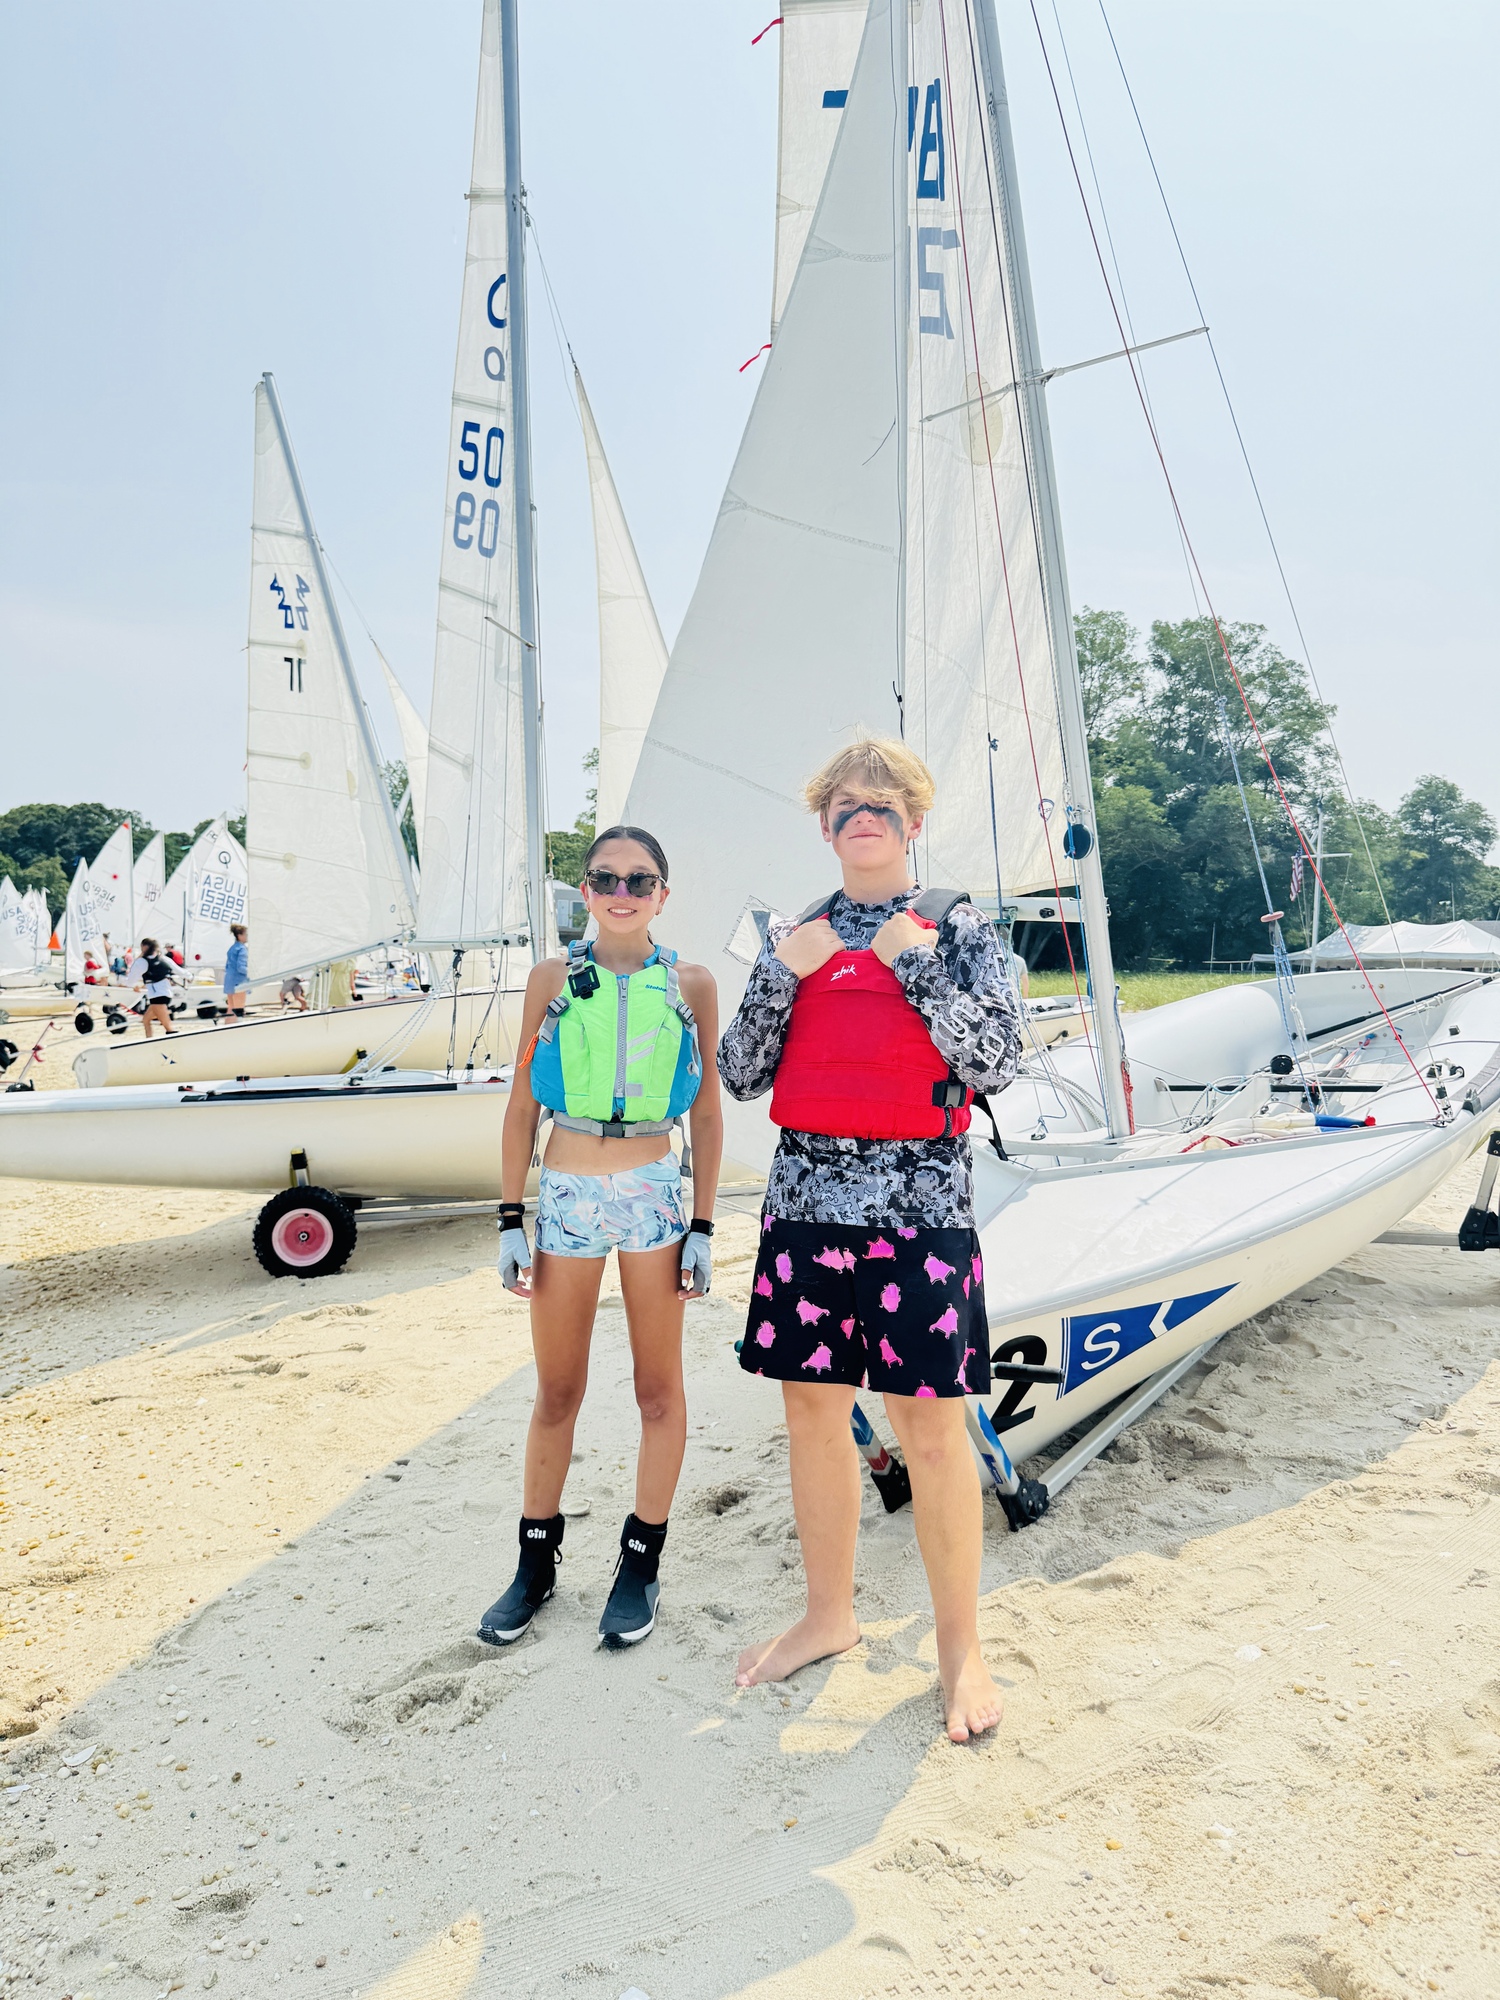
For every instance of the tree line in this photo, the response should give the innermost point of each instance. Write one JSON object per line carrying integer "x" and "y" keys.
{"x": 1179, "y": 866}
{"x": 41, "y": 845}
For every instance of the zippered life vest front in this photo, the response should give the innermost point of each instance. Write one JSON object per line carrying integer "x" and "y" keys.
{"x": 858, "y": 1062}
{"x": 621, "y": 1059}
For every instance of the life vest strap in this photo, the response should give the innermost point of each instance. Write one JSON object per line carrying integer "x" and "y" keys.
{"x": 615, "y": 1128}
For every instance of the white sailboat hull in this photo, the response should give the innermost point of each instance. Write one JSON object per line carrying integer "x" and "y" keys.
{"x": 419, "y": 1031}
{"x": 411, "y": 1134}
{"x": 1086, "y": 1266}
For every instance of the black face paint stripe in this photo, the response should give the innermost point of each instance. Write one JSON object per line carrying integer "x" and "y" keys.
{"x": 881, "y": 812}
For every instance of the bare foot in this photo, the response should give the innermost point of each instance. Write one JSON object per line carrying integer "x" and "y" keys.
{"x": 974, "y": 1703}
{"x": 798, "y": 1646}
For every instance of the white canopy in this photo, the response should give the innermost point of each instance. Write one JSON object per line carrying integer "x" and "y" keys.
{"x": 1458, "y": 944}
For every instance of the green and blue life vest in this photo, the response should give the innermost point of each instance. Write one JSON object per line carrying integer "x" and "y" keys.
{"x": 617, "y": 1053}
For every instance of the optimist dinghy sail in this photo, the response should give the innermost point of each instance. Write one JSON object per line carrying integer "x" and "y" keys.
{"x": 888, "y": 554}
{"x": 148, "y": 881}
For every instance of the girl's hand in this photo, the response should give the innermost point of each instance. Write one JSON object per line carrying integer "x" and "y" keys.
{"x": 807, "y": 947}
{"x": 697, "y": 1266}
{"x": 515, "y": 1262}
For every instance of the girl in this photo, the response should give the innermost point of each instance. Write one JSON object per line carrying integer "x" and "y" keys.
{"x": 875, "y": 1026}
{"x": 612, "y": 1038}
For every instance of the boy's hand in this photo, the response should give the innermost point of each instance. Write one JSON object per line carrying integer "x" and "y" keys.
{"x": 900, "y": 933}
{"x": 808, "y": 947}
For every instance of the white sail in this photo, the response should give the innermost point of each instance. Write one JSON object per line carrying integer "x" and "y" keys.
{"x": 632, "y": 652}
{"x": 473, "y": 834}
{"x": 413, "y": 742}
{"x": 41, "y": 935}
{"x": 819, "y": 43}
{"x": 217, "y": 895}
{"x": 979, "y": 663}
{"x": 150, "y": 881}
{"x": 171, "y": 907}
{"x": 109, "y": 875}
{"x": 791, "y": 641}
{"x": 82, "y": 931}
{"x": 16, "y": 952}
{"x": 328, "y": 876}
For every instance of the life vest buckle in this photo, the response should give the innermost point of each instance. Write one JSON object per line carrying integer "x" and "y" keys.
{"x": 950, "y": 1094}
{"x": 584, "y": 981}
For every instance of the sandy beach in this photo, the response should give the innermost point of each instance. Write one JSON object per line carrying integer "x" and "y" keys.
{"x": 1252, "y": 1741}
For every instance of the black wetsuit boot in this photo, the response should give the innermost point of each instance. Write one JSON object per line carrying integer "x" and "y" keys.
{"x": 535, "y": 1579}
{"x": 631, "y": 1611}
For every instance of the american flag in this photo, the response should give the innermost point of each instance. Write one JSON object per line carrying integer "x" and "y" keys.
{"x": 1297, "y": 874}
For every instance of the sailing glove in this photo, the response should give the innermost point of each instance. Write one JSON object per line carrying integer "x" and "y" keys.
{"x": 515, "y": 1256}
{"x": 697, "y": 1264}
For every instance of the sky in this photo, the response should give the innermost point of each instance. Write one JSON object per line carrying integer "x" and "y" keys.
{"x": 190, "y": 196}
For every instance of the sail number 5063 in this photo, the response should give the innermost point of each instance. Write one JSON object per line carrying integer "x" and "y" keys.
{"x": 476, "y": 460}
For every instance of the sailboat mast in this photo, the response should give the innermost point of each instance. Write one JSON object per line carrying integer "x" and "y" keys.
{"x": 336, "y": 628}
{"x": 531, "y": 704}
{"x": 901, "y": 239}
{"x": 1032, "y": 392}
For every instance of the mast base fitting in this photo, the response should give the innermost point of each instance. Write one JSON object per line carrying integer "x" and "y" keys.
{"x": 1027, "y": 1504}
{"x": 1479, "y": 1230}
{"x": 893, "y": 1485}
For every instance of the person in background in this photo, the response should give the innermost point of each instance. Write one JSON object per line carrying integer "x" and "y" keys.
{"x": 341, "y": 982}
{"x": 237, "y": 973}
{"x": 294, "y": 993}
{"x": 153, "y": 973}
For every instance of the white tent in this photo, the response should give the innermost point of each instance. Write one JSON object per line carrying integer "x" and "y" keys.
{"x": 1459, "y": 944}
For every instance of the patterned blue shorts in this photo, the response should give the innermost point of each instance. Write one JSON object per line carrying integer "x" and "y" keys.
{"x": 588, "y": 1215}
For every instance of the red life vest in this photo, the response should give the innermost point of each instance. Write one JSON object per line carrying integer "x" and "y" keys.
{"x": 858, "y": 1062}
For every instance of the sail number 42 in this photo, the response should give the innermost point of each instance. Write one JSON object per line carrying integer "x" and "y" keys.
{"x": 477, "y": 525}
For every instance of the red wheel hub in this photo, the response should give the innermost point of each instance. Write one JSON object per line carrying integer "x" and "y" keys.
{"x": 302, "y": 1236}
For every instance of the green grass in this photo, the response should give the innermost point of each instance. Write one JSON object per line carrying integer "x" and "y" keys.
{"x": 1139, "y": 990}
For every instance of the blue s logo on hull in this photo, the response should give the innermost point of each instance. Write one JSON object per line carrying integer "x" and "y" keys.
{"x": 1093, "y": 1342}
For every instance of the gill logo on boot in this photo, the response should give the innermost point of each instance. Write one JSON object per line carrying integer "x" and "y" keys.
{"x": 639, "y": 1548}
{"x": 536, "y": 1534}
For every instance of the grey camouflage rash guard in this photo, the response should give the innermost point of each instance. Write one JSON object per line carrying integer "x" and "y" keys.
{"x": 973, "y": 1014}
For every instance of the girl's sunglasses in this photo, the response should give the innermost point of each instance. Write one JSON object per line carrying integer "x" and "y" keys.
{"x": 604, "y": 882}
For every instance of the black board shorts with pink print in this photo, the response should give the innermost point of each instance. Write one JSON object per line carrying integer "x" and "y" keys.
{"x": 896, "y": 1309}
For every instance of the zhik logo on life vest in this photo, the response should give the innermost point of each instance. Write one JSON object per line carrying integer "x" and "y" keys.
{"x": 845, "y": 972}
{"x": 1097, "y": 1340}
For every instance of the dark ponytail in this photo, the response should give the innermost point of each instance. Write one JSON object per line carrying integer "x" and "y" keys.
{"x": 636, "y": 833}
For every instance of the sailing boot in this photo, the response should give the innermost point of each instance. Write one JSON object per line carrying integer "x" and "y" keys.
{"x": 535, "y": 1579}
{"x": 631, "y": 1611}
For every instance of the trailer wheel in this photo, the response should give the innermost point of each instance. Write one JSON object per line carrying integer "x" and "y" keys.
{"x": 304, "y": 1232}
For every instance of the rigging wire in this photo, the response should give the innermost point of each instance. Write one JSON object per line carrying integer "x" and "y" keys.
{"x": 1224, "y": 648}
{"x": 1014, "y": 375}
{"x": 1240, "y": 441}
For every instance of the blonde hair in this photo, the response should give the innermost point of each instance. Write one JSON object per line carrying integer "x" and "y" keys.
{"x": 880, "y": 769}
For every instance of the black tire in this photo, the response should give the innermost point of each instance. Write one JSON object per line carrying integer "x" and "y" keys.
{"x": 304, "y": 1232}
{"x": 83, "y": 1021}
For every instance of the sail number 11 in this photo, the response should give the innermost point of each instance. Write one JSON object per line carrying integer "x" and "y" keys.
{"x": 475, "y": 460}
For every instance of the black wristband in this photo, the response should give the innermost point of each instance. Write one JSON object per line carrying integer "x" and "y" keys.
{"x": 512, "y": 1214}
{"x": 700, "y": 1226}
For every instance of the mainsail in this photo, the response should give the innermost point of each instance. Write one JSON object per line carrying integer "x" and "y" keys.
{"x": 792, "y": 640}
{"x": 632, "y": 652}
{"x": 479, "y": 840}
{"x": 328, "y": 873}
{"x": 979, "y": 659}
{"x": 82, "y": 932}
{"x": 819, "y": 44}
{"x": 150, "y": 881}
{"x": 110, "y": 874}
{"x": 17, "y": 949}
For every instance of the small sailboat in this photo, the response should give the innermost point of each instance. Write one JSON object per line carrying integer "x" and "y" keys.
{"x": 889, "y": 552}
{"x": 364, "y": 1128}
